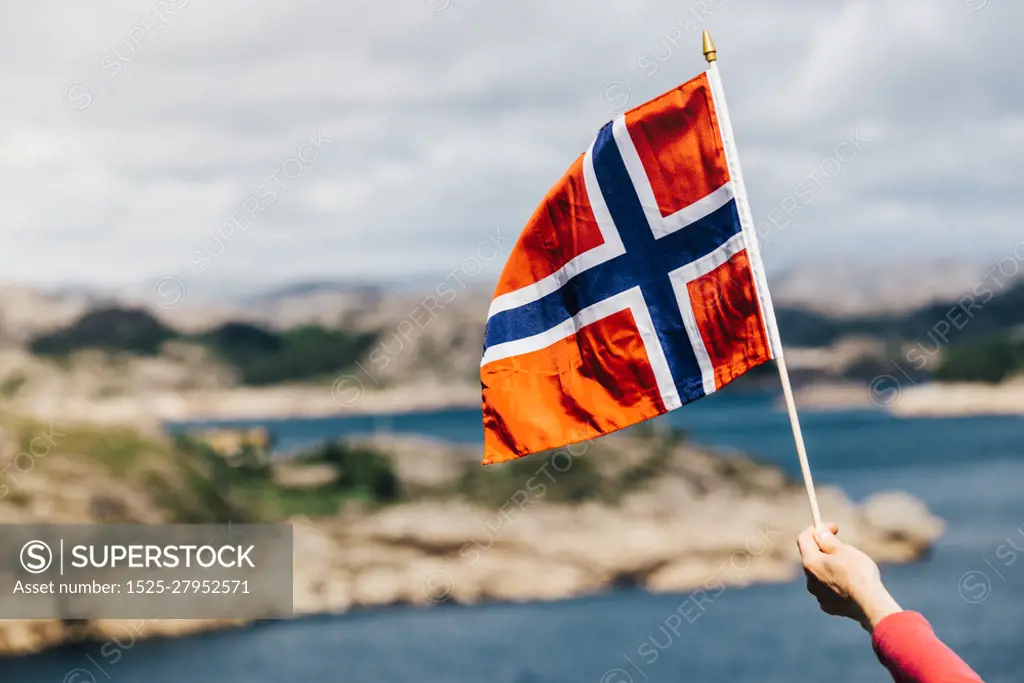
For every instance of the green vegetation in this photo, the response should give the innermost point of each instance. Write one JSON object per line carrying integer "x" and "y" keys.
{"x": 107, "y": 329}
{"x": 190, "y": 482}
{"x": 126, "y": 475}
{"x": 12, "y": 384}
{"x": 560, "y": 477}
{"x": 260, "y": 356}
{"x": 975, "y": 335}
{"x": 305, "y": 353}
{"x": 211, "y": 491}
{"x": 363, "y": 475}
{"x": 960, "y": 329}
{"x": 279, "y": 502}
{"x": 989, "y": 361}
{"x": 570, "y": 475}
{"x": 362, "y": 472}
{"x": 990, "y": 312}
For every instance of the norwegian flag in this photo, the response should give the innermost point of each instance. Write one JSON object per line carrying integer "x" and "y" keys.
{"x": 636, "y": 287}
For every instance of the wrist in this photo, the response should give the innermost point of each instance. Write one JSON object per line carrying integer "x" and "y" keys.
{"x": 876, "y": 604}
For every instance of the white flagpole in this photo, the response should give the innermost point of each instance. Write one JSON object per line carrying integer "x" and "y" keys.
{"x": 747, "y": 223}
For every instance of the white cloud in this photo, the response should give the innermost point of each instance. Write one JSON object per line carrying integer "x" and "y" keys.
{"x": 445, "y": 127}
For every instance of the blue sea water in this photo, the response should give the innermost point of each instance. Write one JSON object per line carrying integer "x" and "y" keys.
{"x": 970, "y": 471}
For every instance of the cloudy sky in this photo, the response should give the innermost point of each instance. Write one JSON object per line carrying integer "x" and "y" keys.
{"x": 389, "y": 139}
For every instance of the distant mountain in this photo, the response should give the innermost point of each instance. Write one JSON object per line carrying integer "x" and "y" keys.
{"x": 435, "y": 334}
{"x": 836, "y": 288}
{"x": 816, "y": 304}
{"x": 841, "y": 288}
{"x": 982, "y": 311}
{"x": 314, "y": 288}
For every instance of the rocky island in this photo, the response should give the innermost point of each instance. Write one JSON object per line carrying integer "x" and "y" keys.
{"x": 423, "y": 523}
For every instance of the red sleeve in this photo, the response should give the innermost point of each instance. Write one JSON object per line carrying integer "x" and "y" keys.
{"x": 910, "y": 650}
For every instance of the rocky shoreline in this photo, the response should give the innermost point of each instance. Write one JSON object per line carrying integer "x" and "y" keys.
{"x": 150, "y": 410}
{"x": 153, "y": 409}
{"x": 702, "y": 523}
{"x": 184, "y": 384}
{"x": 903, "y": 399}
{"x": 428, "y": 554}
{"x": 960, "y": 400}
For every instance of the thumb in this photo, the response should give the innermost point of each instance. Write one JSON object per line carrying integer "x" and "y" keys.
{"x": 827, "y": 540}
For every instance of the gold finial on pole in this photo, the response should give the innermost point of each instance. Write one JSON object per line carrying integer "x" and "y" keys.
{"x": 710, "y": 53}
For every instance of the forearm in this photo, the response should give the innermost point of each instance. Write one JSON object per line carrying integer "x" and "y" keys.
{"x": 908, "y": 647}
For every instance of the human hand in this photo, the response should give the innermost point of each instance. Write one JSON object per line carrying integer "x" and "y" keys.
{"x": 845, "y": 581}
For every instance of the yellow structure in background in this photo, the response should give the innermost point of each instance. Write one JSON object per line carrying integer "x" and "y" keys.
{"x": 239, "y": 446}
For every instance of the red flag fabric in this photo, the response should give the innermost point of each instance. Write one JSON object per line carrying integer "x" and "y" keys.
{"x": 636, "y": 287}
